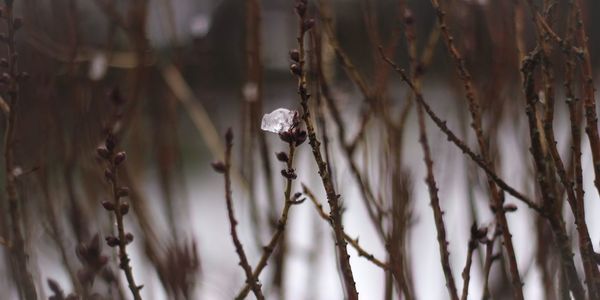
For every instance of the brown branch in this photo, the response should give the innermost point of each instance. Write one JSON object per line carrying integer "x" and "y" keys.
{"x": 281, "y": 223}
{"x": 452, "y": 137}
{"x": 553, "y": 215}
{"x": 585, "y": 244}
{"x": 24, "y": 278}
{"x": 466, "y": 273}
{"x": 435, "y": 205}
{"x": 239, "y": 248}
{"x": 119, "y": 208}
{"x": 475, "y": 110}
{"x": 349, "y": 67}
{"x": 487, "y": 266}
{"x": 353, "y": 242}
{"x": 305, "y": 24}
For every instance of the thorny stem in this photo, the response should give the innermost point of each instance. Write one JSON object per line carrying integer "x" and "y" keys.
{"x": 475, "y": 110}
{"x": 114, "y": 161}
{"x": 332, "y": 196}
{"x": 25, "y": 279}
{"x": 280, "y": 229}
{"x": 435, "y": 205}
{"x": 466, "y": 273}
{"x": 585, "y": 244}
{"x": 239, "y": 248}
{"x": 452, "y": 137}
{"x": 575, "y": 119}
{"x": 556, "y": 222}
{"x": 353, "y": 242}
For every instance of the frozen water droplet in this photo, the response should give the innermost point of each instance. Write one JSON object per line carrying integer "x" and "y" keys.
{"x": 278, "y": 121}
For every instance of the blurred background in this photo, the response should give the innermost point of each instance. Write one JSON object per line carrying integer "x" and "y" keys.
{"x": 187, "y": 70}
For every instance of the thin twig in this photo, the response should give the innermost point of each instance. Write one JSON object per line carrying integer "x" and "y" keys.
{"x": 119, "y": 208}
{"x": 305, "y": 24}
{"x": 452, "y": 137}
{"x": 281, "y": 223}
{"x": 353, "y": 242}
{"x": 24, "y": 278}
{"x": 496, "y": 198}
{"x": 239, "y": 248}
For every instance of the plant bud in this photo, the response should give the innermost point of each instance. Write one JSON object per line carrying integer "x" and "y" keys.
{"x": 408, "y": 17}
{"x": 301, "y": 8}
{"x": 112, "y": 241}
{"x": 308, "y": 24}
{"x": 108, "y": 175}
{"x": 289, "y": 174}
{"x": 111, "y": 142}
{"x": 282, "y": 157}
{"x": 103, "y": 152}
{"x": 219, "y": 166}
{"x": 120, "y": 157}
{"x": 129, "y": 237}
{"x": 286, "y": 136}
{"x": 300, "y": 137}
{"x": 295, "y": 55}
{"x": 124, "y": 208}
{"x": 296, "y": 69}
{"x": 510, "y": 207}
{"x": 108, "y": 205}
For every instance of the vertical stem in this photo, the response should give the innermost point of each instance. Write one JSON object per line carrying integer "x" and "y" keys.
{"x": 305, "y": 24}
{"x": 24, "y": 278}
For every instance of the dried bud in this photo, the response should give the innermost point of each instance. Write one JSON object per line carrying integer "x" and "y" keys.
{"x": 219, "y": 166}
{"x": 112, "y": 241}
{"x": 108, "y": 175}
{"x": 289, "y": 173}
{"x": 510, "y": 207}
{"x": 129, "y": 237}
{"x": 229, "y": 136}
{"x": 286, "y": 136}
{"x": 295, "y": 55}
{"x": 297, "y": 196}
{"x": 478, "y": 233}
{"x": 17, "y": 23}
{"x": 308, "y": 24}
{"x": 111, "y": 142}
{"x": 123, "y": 192}
{"x": 300, "y": 137}
{"x": 120, "y": 157}
{"x": 282, "y": 157}
{"x": 103, "y": 152}
{"x": 124, "y": 208}
{"x": 408, "y": 17}
{"x": 108, "y": 205}
{"x": 296, "y": 69}
{"x": 300, "y": 8}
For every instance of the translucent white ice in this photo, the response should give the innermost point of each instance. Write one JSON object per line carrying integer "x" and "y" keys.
{"x": 278, "y": 121}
